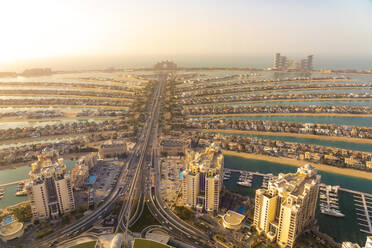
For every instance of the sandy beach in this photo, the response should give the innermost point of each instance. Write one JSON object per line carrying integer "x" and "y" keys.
{"x": 64, "y": 106}
{"x": 284, "y": 114}
{"x": 287, "y": 100}
{"x": 299, "y": 163}
{"x": 309, "y": 136}
{"x": 25, "y": 140}
{"x": 69, "y": 96}
{"x": 66, "y": 118}
{"x": 295, "y": 89}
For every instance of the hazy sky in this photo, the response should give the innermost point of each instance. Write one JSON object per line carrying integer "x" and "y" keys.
{"x": 51, "y": 28}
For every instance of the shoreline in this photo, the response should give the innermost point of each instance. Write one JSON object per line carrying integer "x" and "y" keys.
{"x": 291, "y": 89}
{"x": 21, "y": 164}
{"x": 66, "y": 118}
{"x": 126, "y": 107}
{"x": 283, "y": 114}
{"x": 30, "y": 139}
{"x": 299, "y": 163}
{"x": 296, "y": 135}
{"x": 285, "y": 100}
{"x": 70, "y": 96}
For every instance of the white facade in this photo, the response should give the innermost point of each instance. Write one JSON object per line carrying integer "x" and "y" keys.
{"x": 50, "y": 190}
{"x": 212, "y": 193}
{"x": 190, "y": 188}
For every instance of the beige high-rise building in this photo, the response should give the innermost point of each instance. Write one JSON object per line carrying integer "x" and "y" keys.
{"x": 212, "y": 193}
{"x": 190, "y": 188}
{"x": 202, "y": 179}
{"x": 348, "y": 244}
{"x": 288, "y": 206}
{"x": 369, "y": 242}
{"x": 50, "y": 189}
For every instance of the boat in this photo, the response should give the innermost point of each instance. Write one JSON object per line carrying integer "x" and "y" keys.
{"x": 245, "y": 183}
{"x": 331, "y": 212}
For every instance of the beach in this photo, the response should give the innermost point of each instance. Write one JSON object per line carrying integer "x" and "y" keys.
{"x": 288, "y": 100}
{"x": 69, "y": 96}
{"x": 283, "y": 114}
{"x": 299, "y": 163}
{"x": 298, "y": 135}
{"x": 63, "y": 106}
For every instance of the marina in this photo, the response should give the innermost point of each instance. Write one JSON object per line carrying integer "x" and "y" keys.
{"x": 340, "y": 228}
{"x": 328, "y": 197}
{"x": 363, "y": 206}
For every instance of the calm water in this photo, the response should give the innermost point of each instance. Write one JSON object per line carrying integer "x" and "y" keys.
{"x": 341, "y": 229}
{"x": 329, "y": 143}
{"x": 22, "y": 124}
{"x": 351, "y": 121}
{"x": 36, "y": 142}
{"x": 16, "y": 174}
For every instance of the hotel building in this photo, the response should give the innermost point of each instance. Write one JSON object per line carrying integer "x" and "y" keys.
{"x": 49, "y": 190}
{"x": 288, "y": 206}
{"x": 202, "y": 179}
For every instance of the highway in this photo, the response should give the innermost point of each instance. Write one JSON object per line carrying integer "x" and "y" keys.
{"x": 87, "y": 221}
{"x": 132, "y": 182}
{"x": 175, "y": 226}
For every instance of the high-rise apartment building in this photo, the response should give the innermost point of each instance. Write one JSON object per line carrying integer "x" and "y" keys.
{"x": 349, "y": 245}
{"x": 281, "y": 63}
{"x": 368, "y": 242}
{"x": 288, "y": 205}
{"x": 202, "y": 179}
{"x": 190, "y": 188}
{"x": 50, "y": 190}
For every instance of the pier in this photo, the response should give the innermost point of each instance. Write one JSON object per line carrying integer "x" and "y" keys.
{"x": 365, "y": 217}
{"x": 252, "y": 173}
{"x": 12, "y": 183}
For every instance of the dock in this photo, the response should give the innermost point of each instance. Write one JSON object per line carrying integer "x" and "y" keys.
{"x": 252, "y": 173}
{"x": 12, "y": 183}
{"x": 364, "y": 218}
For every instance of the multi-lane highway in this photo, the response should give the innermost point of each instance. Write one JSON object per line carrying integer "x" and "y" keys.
{"x": 134, "y": 182}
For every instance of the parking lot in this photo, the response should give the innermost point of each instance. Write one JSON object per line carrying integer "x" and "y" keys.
{"x": 107, "y": 173}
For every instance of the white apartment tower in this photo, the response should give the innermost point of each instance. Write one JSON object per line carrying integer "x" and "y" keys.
{"x": 190, "y": 188}
{"x": 288, "y": 205}
{"x": 50, "y": 189}
{"x": 202, "y": 179}
{"x": 212, "y": 193}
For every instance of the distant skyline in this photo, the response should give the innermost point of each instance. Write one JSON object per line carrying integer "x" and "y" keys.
{"x": 67, "y": 33}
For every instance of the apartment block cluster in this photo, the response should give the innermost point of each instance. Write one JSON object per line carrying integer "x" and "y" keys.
{"x": 282, "y": 63}
{"x": 287, "y": 127}
{"x": 202, "y": 178}
{"x": 80, "y": 172}
{"x": 50, "y": 189}
{"x": 284, "y": 210}
{"x": 307, "y": 152}
{"x": 348, "y": 244}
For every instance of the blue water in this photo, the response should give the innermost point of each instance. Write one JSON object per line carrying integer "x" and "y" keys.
{"x": 341, "y": 229}
{"x": 330, "y": 143}
{"x": 351, "y": 121}
{"x": 355, "y": 103}
{"x": 8, "y": 220}
{"x": 92, "y": 179}
{"x": 17, "y": 174}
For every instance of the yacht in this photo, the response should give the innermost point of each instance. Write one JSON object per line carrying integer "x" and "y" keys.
{"x": 331, "y": 212}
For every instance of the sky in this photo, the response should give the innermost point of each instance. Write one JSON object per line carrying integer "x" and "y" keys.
{"x": 67, "y": 29}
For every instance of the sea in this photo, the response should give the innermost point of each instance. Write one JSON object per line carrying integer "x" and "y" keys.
{"x": 340, "y": 229}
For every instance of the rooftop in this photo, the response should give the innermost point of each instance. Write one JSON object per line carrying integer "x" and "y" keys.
{"x": 233, "y": 218}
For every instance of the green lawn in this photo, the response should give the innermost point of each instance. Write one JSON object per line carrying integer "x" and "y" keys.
{"x": 143, "y": 243}
{"x": 145, "y": 220}
{"x": 90, "y": 244}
